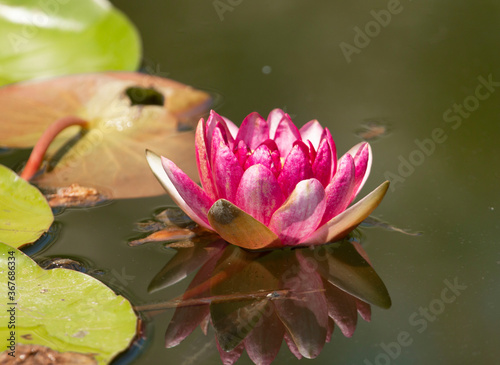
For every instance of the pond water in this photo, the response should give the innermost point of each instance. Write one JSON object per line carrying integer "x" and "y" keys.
{"x": 426, "y": 74}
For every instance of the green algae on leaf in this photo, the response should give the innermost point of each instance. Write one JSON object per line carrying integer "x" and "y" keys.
{"x": 24, "y": 213}
{"x": 65, "y": 310}
{"x": 51, "y": 38}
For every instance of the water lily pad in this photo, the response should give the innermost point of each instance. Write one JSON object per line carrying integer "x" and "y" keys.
{"x": 63, "y": 309}
{"x": 58, "y": 37}
{"x": 109, "y": 155}
{"x": 24, "y": 213}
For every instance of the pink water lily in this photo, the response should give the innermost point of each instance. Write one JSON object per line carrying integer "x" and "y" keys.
{"x": 269, "y": 184}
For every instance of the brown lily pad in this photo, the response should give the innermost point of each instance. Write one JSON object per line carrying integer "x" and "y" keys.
{"x": 124, "y": 115}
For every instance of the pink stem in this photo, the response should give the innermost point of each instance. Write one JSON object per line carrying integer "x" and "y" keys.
{"x": 36, "y": 157}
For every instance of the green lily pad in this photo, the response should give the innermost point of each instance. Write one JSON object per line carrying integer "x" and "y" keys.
{"x": 62, "y": 309}
{"x": 24, "y": 213}
{"x": 59, "y": 37}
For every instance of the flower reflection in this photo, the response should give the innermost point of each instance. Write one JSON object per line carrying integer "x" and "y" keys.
{"x": 254, "y": 300}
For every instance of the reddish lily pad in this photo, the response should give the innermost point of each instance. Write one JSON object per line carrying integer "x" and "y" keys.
{"x": 109, "y": 155}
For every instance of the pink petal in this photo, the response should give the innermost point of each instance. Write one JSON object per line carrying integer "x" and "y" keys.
{"x": 338, "y": 227}
{"x": 328, "y": 136}
{"x": 341, "y": 308}
{"x": 339, "y": 191}
{"x": 264, "y": 341}
{"x": 203, "y": 162}
{"x": 230, "y": 357}
{"x": 329, "y": 333}
{"x": 273, "y": 119}
{"x": 254, "y": 130}
{"x": 226, "y": 169}
{"x": 362, "y": 154}
{"x": 266, "y": 154}
{"x": 213, "y": 120}
{"x": 312, "y": 131}
{"x": 232, "y": 128}
{"x": 183, "y": 191}
{"x": 323, "y": 162}
{"x": 292, "y": 346}
{"x": 186, "y": 319}
{"x": 286, "y": 135}
{"x": 305, "y": 315}
{"x": 259, "y": 193}
{"x": 300, "y": 215}
{"x": 297, "y": 167}
{"x": 242, "y": 152}
{"x": 364, "y": 310}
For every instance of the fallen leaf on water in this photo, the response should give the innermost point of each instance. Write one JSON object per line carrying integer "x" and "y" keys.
{"x": 108, "y": 155}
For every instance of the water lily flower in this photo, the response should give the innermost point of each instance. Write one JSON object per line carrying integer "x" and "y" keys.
{"x": 270, "y": 184}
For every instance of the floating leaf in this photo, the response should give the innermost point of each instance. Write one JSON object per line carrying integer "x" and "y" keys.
{"x": 109, "y": 154}
{"x": 61, "y": 309}
{"x": 50, "y": 38}
{"x": 24, "y": 213}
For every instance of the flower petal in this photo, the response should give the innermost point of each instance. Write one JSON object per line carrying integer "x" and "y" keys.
{"x": 305, "y": 315}
{"x": 230, "y": 357}
{"x": 297, "y": 167}
{"x": 339, "y": 191}
{"x": 186, "y": 319}
{"x": 286, "y": 135}
{"x": 362, "y": 154}
{"x": 292, "y": 346}
{"x": 213, "y": 121}
{"x": 323, "y": 163}
{"x": 231, "y": 127}
{"x": 183, "y": 191}
{"x": 203, "y": 162}
{"x": 338, "y": 227}
{"x": 266, "y": 154}
{"x": 273, "y": 119}
{"x": 240, "y": 228}
{"x": 254, "y": 130}
{"x": 328, "y": 136}
{"x": 226, "y": 169}
{"x": 312, "y": 131}
{"x": 242, "y": 152}
{"x": 264, "y": 342}
{"x": 364, "y": 310}
{"x": 341, "y": 308}
{"x": 259, "y": 193}
{"x": 345, "y": 268}
{"x": 301, "y": 213}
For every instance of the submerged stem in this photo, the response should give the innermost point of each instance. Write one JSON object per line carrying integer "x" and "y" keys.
{"x": 36, "y": 156}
